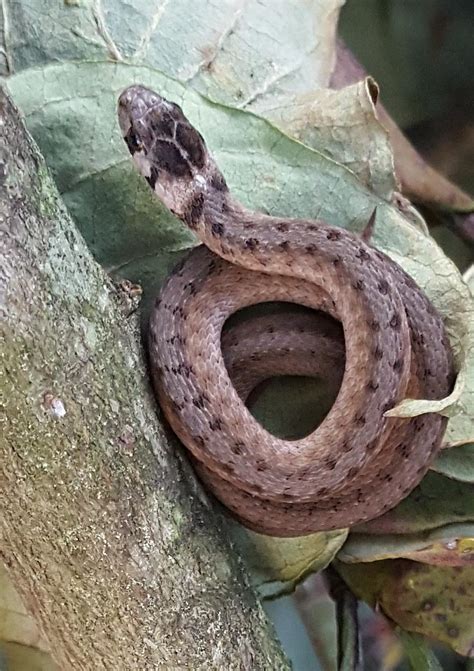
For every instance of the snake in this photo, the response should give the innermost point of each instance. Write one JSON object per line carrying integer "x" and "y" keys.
{"x": 364, "y": 325}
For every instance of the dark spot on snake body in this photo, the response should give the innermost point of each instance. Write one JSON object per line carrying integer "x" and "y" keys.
{"x": 217, "y": 229}
{"x": 374, "y": 325}
{"x": 192, "y": 288}
{"x": 427, "y": 373}
{"x": 282, "y": 227}
{"x": 372, "y": 386}
{"x": 372, "y": 445}
{"x": 177, "y": 407}
{"x": 383, "y": 286}
{"x": 251, "y": 243}
{"x": 404, "y": 451}
{"x": 388, "y": 406}
{"x": 285, "y": 245}
{"x": 270, "y": 329}
{"x": 352, "y": 472}
{"x": 378, "y": 353}
{"x": 398, "y": 365}
{"x": 360, "y": 419}
{"x": 199, "y": 440}
{"x": 192, "y": 142}
{"x": 362, "y": 254}
{"x": 331, "y": 463}
{"x": 358, "y": 285}
{"x": 334, "y": 235}
{"x": 238, "y": 447}
{"x": 227, "y": 468}
{"x": 194, "y": 210}
{"x": 248, "y": 227}
{"x": 199, "y": 402}
{"x": 261, "y": 466}
{"x": 387, "y": 477}
{"x": 395, "y": 321}
{"x": 336, "y": 260}
{"x": 218, "y": 182}
{"x": 346, "y": 447}
{"x": 310, "y": 249}
{"x": 215, "y": 424}
{"x": 312, "y": 228}
{"x": 167, "y": 156}
{"x": 153, "y": 176}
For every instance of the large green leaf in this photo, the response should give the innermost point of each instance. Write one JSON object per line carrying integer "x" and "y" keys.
{"x": 435, "y": 601}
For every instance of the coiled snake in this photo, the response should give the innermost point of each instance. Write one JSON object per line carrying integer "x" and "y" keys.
{"x": 357, "y": 463}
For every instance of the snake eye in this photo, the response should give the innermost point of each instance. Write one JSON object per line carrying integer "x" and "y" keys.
{"x": 132, "y": 141}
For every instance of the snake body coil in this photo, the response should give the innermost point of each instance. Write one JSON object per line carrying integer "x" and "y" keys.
{"x": 357, "y": 463}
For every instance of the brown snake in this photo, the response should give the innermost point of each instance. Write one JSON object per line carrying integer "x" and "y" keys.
{"x": 358, "y": 463}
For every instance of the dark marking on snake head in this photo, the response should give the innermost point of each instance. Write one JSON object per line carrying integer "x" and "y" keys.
{"x": 132, "y": 142}
{"x": 168, "y": 157}
{"x": 194, "y": 210}
{"x": 192, "y": 143}
{"x": 334, "y": 235}
{"x": 218, "y": 182}
{"x": 395, "y": 321}
{"x": 163, "y": 124}
{"x": 153, "y": 176}
{"x": 217, "y": 229}
{"x": 251, "y": 243}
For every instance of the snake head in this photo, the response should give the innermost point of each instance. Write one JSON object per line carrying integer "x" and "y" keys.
{"x": 167, "y": 150}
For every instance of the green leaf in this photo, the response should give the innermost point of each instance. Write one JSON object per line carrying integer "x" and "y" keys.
{"x": 436, "y": 502}
{"x": 419, "y": 654}
{"x": 456, "y": 463}
{"x": 435, "y": 601}
{"x": 451, "y": 545}
{"x": 277, "y": 565}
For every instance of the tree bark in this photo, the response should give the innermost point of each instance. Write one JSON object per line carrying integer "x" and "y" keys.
{"x": 104, "y": 531}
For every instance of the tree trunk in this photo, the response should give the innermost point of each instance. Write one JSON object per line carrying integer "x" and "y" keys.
{"x": 104, "y": 531}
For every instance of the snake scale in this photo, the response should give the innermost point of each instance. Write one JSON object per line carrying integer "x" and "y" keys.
{"x": 357, "y": 463}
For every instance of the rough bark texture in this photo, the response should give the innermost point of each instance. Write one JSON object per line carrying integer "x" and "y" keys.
{"x": 104, "y": 531}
